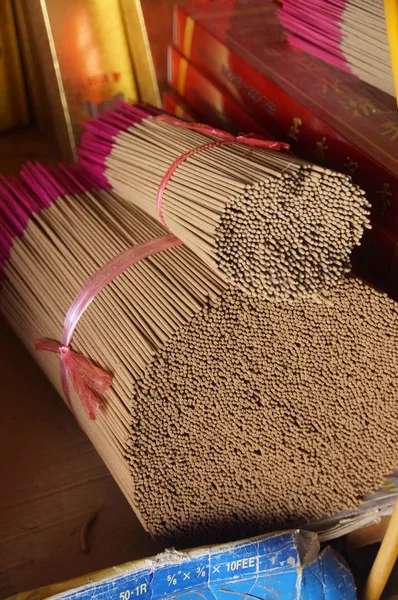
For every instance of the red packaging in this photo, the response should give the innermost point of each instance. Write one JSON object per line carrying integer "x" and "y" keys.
{"x": 175, "y": 105}
{"x": 158, "y": 18}
{"x": 327, "y": 116}
{"x": 376, "y": 260}
{"x": 209, "y": 101}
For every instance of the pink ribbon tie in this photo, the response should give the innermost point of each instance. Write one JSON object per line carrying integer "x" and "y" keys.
{"x": 87, "y": 379}
{"x": 249, "y": 139}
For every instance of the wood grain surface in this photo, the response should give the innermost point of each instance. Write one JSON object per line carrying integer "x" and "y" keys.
{"x": 52, "y": 482}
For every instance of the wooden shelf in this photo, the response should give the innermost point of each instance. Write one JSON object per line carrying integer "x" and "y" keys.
{"x": 52, "y": 482}
{"x": 21, "y": 145}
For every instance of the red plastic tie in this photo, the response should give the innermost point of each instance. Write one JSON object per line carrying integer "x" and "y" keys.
{"x": 90, "y": 381}
{"x": 226, "y": 138}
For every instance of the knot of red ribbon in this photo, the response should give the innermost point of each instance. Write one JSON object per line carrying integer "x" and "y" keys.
{"x": 250, "y": 139}
{"x": 88, "y": 380}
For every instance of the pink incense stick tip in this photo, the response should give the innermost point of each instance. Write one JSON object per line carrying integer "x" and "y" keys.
{"x": 92, "y": 178}
{"x": 116, "y": 119}
{"x": 50, "y": 183}
{"x": 100, "y": 136}
{"x": 15, "y": 214}
{"x": 102, "y": 129}
{"x": 98, "y": 146}
{"x": 137, "y": 113}
{"x": 32, "y": 179}
{"x": 74, "y": 175}
{"x": 62, "y": 180}
{"x": 15, "y": 210}
{"x": 24, "y": 196}
{"x": 336, "y": 60}
{"x": 88, "y": 157}
{"x": 152, "y": 111}
{"x": 95, "y": 166}
{"x": 78, "y": 179}
{"x": 317, "y": 27}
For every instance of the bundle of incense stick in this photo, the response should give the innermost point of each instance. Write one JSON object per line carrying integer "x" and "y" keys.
{"x": 348, "y": 34}
{"x": 261, "y": 219}
{"x": 227, "y": 414}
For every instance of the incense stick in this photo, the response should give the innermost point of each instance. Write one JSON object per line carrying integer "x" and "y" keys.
{"x": 348, "y": 34}
{"x": 263, "y": 220}
{"x": 227, "y": 414}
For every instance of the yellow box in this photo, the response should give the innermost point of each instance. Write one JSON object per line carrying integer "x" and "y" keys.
{"x": 81, "y": 63}
{"x": 139, "y": 44}
{"x": 13, "y": 104}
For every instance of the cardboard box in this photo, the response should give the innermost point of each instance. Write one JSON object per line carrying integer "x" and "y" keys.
{"x": 175, "y": 105}
{"x": 209, "y": 101}
{"x": 77, "y": 55}
{"x": 328, "y": 116}
{"x": 282, "y": 565}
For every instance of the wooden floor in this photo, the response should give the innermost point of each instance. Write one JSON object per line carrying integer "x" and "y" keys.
{"x": 52, "y": 482}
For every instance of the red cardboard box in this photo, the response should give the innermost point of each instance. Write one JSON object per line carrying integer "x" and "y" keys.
{"x": 326, "y": 115}
{"x": 175, "y": 105}
{"x": 210, "y": 102}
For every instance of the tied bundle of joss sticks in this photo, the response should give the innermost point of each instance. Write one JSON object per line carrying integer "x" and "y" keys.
{"x": 348, "y": 34}
{"x": 227, "y": 414}
{"x": 259, "y": 217}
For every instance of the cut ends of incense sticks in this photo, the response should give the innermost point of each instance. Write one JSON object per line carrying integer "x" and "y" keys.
{"x": 227, "y": 414}
{"x": 262, "y": 219}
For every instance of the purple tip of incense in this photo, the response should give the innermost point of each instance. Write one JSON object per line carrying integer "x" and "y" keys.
{"x": 15, "y": 211}
{"x": 15, "y": 215}
{"x": 315, "y": 9}
{"x": 98, "y": 146}
{"x": 315, "y": 27}
{"x": 88, "y": 157}
{"x": 33, "y": 179}
{"x": 152, "y": 111}
{"x": 74, "y": 175}
{"x": 66, "y": 184}
{"x": 102, "y": 129}
{"x": 8, "y": 232}
{"x": 324, "y": 33}
{"x": 324, "y": 55}
{"x": 136, "y": 113}
{"x": 92, "y": 178}
{"x": 25, "y": 196}
{"x": 116, "y": 119}
{"x": 51, "y": 184}
{"x": 95, "y": 167}
{"x": 78, "y": 179}
{"x": 94, "y": 151}
{"x": 100, "y": 136}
